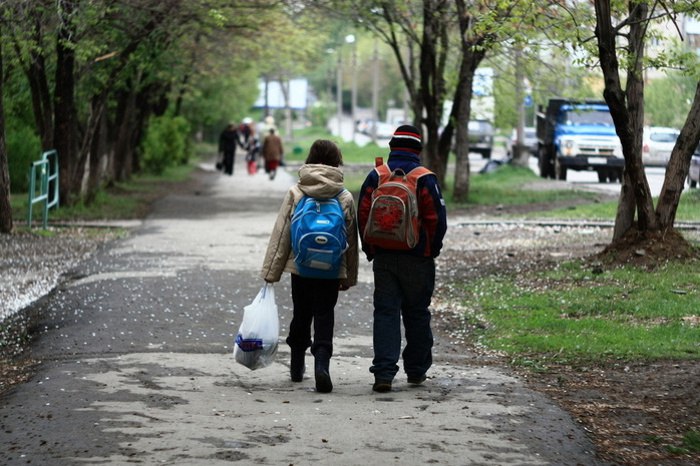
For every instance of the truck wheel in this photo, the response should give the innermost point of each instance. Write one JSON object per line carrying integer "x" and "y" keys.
{"x": 559, "y": 170}
{"x": 545, "y": 163}
{"x": 486, "y": 154}
{"x": 542, "y": 164}
{"x": 620, "y": 172}
{"x": 693, "y": 184}
{"x": 602, "y": 176}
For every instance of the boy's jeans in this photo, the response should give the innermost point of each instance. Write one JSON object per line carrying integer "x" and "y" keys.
{"x": 403, "y": 288}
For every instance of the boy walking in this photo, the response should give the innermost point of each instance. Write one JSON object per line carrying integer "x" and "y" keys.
{"x": 404, "y": 276}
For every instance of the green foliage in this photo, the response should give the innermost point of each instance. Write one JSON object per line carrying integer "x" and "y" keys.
{"x": 23, "y": 148}
{"x": 166, "y": 143}
{"x": 666, "y": 100}
{"x": 689, "y": 445}
{"x": 215, "y": 100}
{"x": 624, "y": 313}
{"x": 319, "y": 113}
{"x": 691, "y": 441}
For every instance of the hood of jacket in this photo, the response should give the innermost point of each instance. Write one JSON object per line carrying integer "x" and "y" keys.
{"x": 320, "y": 181}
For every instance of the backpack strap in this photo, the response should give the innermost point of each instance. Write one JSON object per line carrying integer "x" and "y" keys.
{"x": 385, "y": 172}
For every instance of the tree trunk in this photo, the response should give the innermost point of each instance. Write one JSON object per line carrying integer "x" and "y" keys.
{"x": 5, "y": 207}
{"x": 97, "y": 159}
{"x": 122, "y": 162}
{"x": 41, "y": 100}
{"x": 65, "y": 116}
{"x": 461, "y": 108}
{"x": 677, "y": 169}
{"x": 36, "y": 74}
{"x": 627, "y": 110}
{"x": 471, "y": 57}
{"x": 432, "y": 84}
{"x": 520, "y": 156}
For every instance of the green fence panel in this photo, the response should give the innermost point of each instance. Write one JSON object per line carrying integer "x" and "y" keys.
{"x": 43, "y": 185}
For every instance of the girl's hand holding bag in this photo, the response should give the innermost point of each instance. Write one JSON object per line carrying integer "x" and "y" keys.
{"x": 256, "y": 342}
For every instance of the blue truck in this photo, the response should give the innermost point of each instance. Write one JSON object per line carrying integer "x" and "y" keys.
{"x": 578, "y": 135}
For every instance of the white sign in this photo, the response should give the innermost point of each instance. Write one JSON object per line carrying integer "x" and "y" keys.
{"x": 298, "y": 93}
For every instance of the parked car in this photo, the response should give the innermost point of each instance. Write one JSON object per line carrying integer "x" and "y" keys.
{"x": 384, "y": 130}
{"x": 657, "y": 145}
{"x": 529, "y": 141}
{"x": 481, "y": 137}
{"x": 694, "y": 173}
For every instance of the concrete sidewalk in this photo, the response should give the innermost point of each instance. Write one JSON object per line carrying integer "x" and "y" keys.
{"x": 136, "y": 364}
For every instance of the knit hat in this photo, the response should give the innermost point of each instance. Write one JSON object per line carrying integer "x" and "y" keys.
{"x": 407, "y": 137}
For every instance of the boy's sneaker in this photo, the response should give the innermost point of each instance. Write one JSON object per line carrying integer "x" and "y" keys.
{"x": 382, "y": 386}
{"x": 416, "y": 380}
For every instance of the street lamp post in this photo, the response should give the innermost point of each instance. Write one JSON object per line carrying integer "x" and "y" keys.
{"x": 375, "y": 91}
{"x": 350, "y": 39}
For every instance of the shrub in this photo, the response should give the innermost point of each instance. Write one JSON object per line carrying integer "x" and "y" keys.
{"x": 319, "y": 114}
{"x": 23, "y": 147}
{"x": 166, "y": 144}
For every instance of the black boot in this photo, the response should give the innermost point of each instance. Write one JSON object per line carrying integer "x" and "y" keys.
{"x": 296, "y": 366}
{"x": 323, "y": 377}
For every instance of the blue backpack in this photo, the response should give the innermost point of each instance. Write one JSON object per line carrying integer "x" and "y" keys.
{"x": 319, "y": 239}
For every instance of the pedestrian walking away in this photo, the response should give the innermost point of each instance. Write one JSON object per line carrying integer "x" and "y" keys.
{"x": 313, "y": 298}
{"x": 251, "y": 156}
{"x": 272, "y": 151}
{"x": 228, "y": 142}
{"x": 403, "y": 245}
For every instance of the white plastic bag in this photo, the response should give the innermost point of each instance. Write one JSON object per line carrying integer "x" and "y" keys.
{"x": 256, "y": 342}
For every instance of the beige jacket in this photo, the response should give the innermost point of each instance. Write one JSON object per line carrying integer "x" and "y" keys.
{"x": 319, "y": 181}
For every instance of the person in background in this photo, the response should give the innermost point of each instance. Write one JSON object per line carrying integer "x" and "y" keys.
{"x": 313, "y": 299}
{"x": 228, "y": 142}
{"x": 404, "y": 280}
{"x": 246, "y": 131}
{"x": 251, "y": 156}
{"x": 272, "y": 151}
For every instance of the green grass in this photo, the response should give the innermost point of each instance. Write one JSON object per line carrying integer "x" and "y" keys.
{"x": 508, "y": 186}
{"x": 624, "y": 313}
{"x": 689, "y": 445}
{"x": 127, "y": 200}
{"x": 352, "y": 153}
{"x": 688, "y": 209}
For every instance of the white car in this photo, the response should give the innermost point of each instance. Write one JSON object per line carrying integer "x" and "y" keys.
{"x": 384, "y": 130}
{"x": 657, "y": 145}
{"x": 694, "y": 173}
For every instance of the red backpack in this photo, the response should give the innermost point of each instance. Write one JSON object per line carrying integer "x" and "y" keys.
{"x": 393, "y": 221}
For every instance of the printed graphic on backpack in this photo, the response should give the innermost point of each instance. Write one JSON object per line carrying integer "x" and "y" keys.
{"x": 393, "y": 221}
{"x": 319, "y": 239}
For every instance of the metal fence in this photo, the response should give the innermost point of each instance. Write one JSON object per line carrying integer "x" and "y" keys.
{"x": 43, "y": 185}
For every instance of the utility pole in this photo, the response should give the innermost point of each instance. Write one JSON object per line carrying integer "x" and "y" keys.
{"x": 375, "y": 90}
{"x": 350, "y": 39}
{"x": 339, "y": 92}
{"x": 519, "y": 154}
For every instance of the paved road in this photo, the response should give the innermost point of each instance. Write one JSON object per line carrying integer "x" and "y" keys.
{"x": 135, "y": 364}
